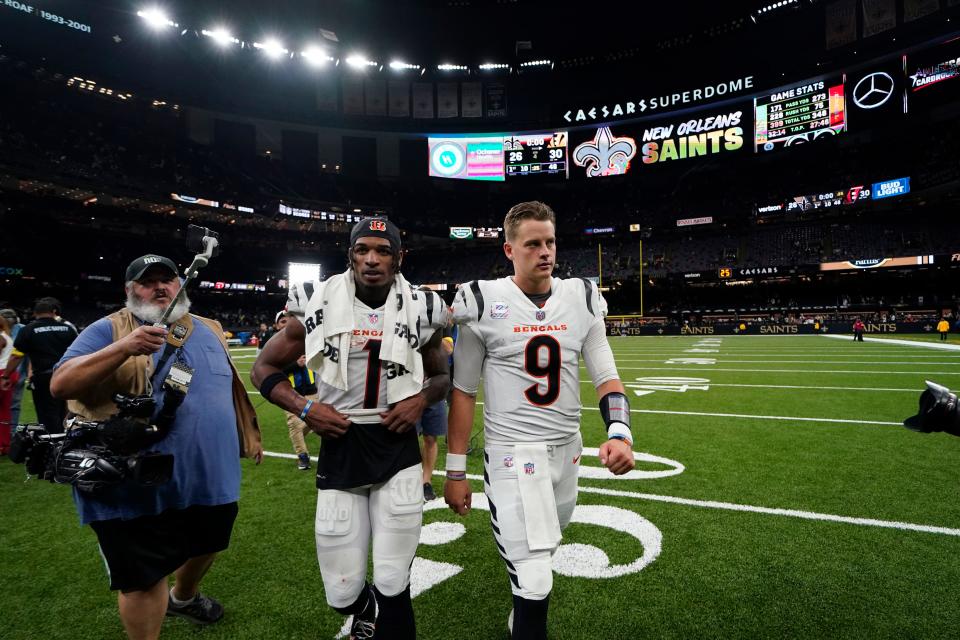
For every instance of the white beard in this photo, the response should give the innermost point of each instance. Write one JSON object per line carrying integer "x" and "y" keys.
{"x": 151, "y": 313}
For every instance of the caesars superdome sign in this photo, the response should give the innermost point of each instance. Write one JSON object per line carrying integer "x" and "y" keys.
{"x": 655, "y": 102}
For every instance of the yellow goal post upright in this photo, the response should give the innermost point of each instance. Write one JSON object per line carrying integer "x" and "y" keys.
{"x": 600, "y": 279}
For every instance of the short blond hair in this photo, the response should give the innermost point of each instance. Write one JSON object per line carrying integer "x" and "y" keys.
{"x": 533, "y": 210}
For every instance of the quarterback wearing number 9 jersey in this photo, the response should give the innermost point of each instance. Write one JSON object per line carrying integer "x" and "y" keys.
{"x": 525, "y": 335}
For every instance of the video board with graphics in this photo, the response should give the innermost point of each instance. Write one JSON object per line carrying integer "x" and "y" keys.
{"x": 933, "y": 75}
{"x": 799, "y": 114}
{"x": 467, "y": 158}
{"x": 543, "y": 154}
{"x": 616, "y": 149}
{"x": 497, "y": 157}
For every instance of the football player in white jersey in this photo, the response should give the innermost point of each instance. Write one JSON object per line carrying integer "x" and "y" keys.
{"x": 524, "y": 335}
{"x": 369, "y": 471}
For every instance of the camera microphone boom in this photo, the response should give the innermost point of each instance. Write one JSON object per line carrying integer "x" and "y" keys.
{"x": 207, "y": 244}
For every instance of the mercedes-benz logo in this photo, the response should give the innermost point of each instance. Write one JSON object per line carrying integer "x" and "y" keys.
{"x": 873, "y": 90}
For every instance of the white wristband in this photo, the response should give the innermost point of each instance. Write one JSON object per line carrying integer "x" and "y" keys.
{"x": 618, "y": 430}
{"x": 456, "y": 462}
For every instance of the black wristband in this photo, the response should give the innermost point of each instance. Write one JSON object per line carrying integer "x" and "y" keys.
{"x": 615, "y": 407}
{"x": 272, "y": 380}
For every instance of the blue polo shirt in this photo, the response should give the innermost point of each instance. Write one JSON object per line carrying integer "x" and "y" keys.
{"x": 203, "y": 439}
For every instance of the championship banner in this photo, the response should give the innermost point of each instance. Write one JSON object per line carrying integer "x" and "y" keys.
{"x": 376, "y": 94}
{"x": 841, "y": 23}
{"x": 423, "y": 100}
{"x": 471, "y": 105}
{"x": 352, "y": 95}
{"x": 916, "y": 9}
{"x": 447, "y": 105}
{"x": 399, "y": 99}
{"x": 496, "y": 100}
{"x": 878, "y": 16}
{"x": 326, "y": 91}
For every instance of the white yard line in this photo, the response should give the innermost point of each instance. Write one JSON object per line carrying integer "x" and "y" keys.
{"x": 791, "y": 513}
{"x": 944, "y": 346}
{"x": 728, "y": 506}
{"x": 806, "y": 354}
{"x": 797, "y": 371}
{"x": 722, "y": 360}
{"x": 800, "y": 386}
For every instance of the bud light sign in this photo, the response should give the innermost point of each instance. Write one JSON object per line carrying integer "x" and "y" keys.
{"x": 890, "y": 188}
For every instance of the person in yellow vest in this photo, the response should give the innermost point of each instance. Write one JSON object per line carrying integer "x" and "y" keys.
{"x": 943, "y": 327}
{"x": 147, "y": 533}
{"x": 304, "y": 382}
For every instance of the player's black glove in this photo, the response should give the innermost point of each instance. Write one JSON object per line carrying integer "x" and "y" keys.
{"x": 938, "y": 411}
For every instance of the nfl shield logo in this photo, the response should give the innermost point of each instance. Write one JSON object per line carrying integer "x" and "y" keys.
{"x": 373, "y": 317}
{"x": 541, "y": 314}
{"x": 508, "y": 461}
{"x": 528, "y": 468}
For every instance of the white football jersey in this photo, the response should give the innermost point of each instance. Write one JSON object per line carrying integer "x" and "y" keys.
{"x": 531, "y": 366}
{"x": 366, "y": 394}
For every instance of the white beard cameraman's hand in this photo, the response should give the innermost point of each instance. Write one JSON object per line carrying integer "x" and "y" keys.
{"x": 144, "y": 340}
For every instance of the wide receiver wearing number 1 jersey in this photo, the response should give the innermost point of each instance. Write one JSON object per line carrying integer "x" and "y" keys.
{"x": 524, "y": 335}
{"x": 373, "y": 340}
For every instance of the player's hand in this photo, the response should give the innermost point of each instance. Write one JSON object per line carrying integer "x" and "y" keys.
{"x": 404, "y": 415}
{"x": 326, "y": 421}
{"x": 143, "y": 340}
{"x": 457, "y": 495}
{"x": 258, "y": 456}
{"x": 5, "y": 384}
{"x": 617, "y": 456}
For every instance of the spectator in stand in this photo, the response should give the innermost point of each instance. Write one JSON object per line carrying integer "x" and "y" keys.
{"x": 943, "y": 327}
{"x": 858, "y": 329}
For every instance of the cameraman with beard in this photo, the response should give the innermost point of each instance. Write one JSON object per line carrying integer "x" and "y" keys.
{"x": 148, "y": 532}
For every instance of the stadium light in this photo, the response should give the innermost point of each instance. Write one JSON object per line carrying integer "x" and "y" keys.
{"x": 358, "y": 61}
{"x": 451, "y": 67}
{"x": 156, "y": 18}
{"x": 397, "y": 65}
{"x": 537, "y": 63}
{"x": 316, "y": 56}
{"x": 221, "y": 36}
{"x": 272, "y": 48}
{"x": 493, "y": 66}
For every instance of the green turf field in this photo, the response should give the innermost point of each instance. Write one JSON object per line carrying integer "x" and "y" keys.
{"x": 777, "y": 496}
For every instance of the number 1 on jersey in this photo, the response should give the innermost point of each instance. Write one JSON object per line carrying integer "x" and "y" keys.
{"x": 550, "y": 370}
{"x": 371, "y": 388}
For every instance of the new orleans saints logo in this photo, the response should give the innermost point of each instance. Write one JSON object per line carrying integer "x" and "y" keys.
{"x": 605, "y": 155}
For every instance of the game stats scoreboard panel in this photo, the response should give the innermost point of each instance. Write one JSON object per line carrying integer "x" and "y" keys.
{"x": 499, "y": 157}
{"x": 536, "y": 154}
{"x": 799, "y": 114}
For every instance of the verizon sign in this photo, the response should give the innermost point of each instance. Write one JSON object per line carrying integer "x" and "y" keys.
{"x": 689, "y": 222}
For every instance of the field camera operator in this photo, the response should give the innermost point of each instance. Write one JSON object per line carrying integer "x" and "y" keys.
{"x": 204, "y": 419}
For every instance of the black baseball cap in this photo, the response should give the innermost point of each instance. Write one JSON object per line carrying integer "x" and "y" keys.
{"x": 139, "y": 266}
{"x": 376, "y": 227}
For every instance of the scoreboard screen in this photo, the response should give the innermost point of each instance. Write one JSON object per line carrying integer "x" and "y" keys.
{"x": 799, "y": 114}
{"x": 536, "y": 154}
